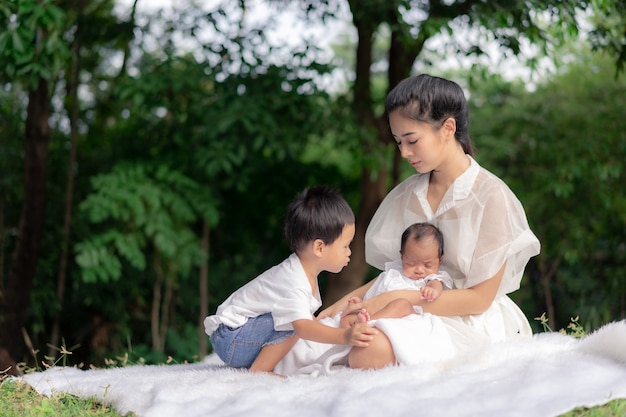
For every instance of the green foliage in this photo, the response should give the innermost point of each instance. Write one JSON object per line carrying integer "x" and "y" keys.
{"x": 144, "y": 206}
{"x": 32, "y": 46}
{"x": 574, "y": 328}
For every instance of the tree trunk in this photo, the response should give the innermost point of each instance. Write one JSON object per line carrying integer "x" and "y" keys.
{"x": 376, "y": 140}
{"x": 353, "y": 275}
{"x": 156, "y": 303}
{"x": 167, "y": 308}
{"x": 204, "y": 291}
{"x": 72, "y": 95}
{"x": 1, "y": 249}
{"x": 21, "y": 276}
{"x": 547, "y": 269}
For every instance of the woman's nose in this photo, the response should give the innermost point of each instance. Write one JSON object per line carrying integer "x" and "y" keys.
{"x": 404, "y": 151}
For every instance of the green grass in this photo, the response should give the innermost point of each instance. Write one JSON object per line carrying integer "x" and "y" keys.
{"x": 18, "y": 399}
{"x": 615, "y": 408}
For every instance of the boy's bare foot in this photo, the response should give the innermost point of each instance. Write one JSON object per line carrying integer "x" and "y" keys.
{"x": 362, "y": 316}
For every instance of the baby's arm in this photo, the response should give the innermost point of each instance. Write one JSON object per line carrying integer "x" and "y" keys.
{"x": 432, "y": 290}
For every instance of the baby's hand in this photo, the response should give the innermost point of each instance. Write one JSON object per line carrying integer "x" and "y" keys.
{"x": 429, "y": 294}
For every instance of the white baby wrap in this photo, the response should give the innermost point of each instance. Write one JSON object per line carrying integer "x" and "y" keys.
{"x": 415, "y": 338}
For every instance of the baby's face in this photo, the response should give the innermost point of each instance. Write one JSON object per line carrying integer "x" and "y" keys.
{"x": 420, "y": 258}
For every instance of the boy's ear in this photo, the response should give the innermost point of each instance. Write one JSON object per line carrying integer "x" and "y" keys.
{"x": 318, "y": 247}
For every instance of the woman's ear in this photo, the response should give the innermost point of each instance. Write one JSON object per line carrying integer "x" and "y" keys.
{"x": 449, "y": 127}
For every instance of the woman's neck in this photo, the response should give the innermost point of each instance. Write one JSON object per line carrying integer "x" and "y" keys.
{"x": 456, "y": 164}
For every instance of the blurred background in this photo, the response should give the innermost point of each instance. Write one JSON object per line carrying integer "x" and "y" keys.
{"x": 149, "y": 149}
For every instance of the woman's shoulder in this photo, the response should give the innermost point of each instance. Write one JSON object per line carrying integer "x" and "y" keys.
{"x": 487, "y": 183}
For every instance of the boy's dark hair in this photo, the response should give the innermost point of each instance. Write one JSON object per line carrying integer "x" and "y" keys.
{"x": 318, "y": 212}
{"x": 419, "y": 231}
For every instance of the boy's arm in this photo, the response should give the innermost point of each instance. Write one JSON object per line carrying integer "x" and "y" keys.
{"x": 358, "y": 335}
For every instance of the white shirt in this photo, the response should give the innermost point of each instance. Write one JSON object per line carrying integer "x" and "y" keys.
{"x": 393, "y": 279}
{"x": 482, "y": 221}
{"x": 283, "y": 290}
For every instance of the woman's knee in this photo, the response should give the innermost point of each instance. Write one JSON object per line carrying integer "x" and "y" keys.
{"x": 377, "y": 355}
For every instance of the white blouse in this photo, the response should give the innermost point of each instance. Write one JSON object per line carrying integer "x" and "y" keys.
{"x": 482, "y": 221}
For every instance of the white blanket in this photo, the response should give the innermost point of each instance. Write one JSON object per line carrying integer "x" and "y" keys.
{"x": 544, "y": 376}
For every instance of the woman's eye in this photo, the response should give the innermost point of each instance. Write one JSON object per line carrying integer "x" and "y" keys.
{"x": 413, "y": 142}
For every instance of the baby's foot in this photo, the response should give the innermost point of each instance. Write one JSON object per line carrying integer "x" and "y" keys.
{"x": 354, "y": 300}
{"x": 362, "y": 316}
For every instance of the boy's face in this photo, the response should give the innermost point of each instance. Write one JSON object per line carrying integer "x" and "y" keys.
{"x": 337, "y": 254}
{"x": 420, "y": 258}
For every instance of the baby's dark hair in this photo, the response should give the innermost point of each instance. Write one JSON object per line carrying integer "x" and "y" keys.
{"x": 418, "y": 231}
{"x": 318, "y": 212}
{"x": 432, "y": 100}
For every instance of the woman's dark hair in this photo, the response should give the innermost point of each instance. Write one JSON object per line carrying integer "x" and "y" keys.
{"x": 418, "y": 231}
{"x": 432, "y": 100}
{"x": 318, "y": 212}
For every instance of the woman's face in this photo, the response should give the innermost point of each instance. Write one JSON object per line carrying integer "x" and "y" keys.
{"x": 418, "y": 142}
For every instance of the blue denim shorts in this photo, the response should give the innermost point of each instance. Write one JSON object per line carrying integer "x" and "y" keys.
{"x": 238, "y": 347}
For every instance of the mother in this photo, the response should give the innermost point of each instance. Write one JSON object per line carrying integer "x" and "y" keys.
{"x": 487, "y": 238}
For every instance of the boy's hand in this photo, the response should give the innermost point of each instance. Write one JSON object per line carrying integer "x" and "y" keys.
{"x": 360, "y": 334}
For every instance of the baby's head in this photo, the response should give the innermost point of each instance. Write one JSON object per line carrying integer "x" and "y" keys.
{"x": 318, "y": 212}
{"x": 421, "y": 250}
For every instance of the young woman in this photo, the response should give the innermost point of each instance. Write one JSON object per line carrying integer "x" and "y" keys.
{"x": 488, "y": 241}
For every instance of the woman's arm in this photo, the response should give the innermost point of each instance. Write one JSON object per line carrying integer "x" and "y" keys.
{"x": 462, "y": 302}
{"x": 342, "y": 303}
{"x": 455, "y": 302}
